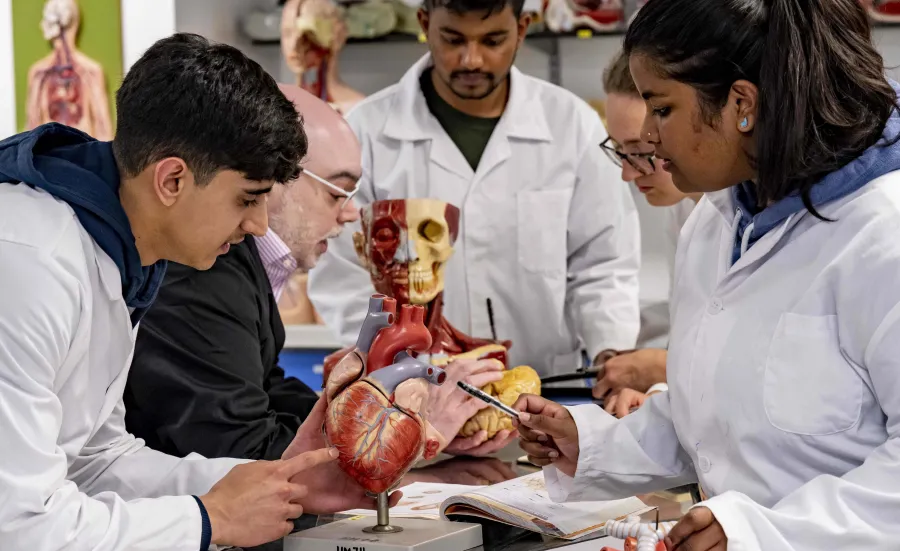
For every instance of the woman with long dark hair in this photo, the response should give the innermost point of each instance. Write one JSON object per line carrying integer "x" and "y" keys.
{"x": 784, "y": 358}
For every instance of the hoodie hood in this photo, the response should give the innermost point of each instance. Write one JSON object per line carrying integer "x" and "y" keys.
{"x": 876, "y": 161}
{"x": 77, "y": 169}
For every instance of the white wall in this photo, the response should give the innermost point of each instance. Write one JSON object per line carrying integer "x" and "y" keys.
{"x": 143, "y": 23}
{"x": 7, "y": 72}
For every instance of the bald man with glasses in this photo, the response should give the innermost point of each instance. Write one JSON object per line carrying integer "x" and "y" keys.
{"x": 205, "y": 376}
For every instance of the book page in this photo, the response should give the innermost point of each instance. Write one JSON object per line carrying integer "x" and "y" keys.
{"x": 528, "y": 494}
{"x": 420, "y": 500}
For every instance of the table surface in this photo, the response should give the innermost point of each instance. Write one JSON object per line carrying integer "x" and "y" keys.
{"x": 504, "y": 466}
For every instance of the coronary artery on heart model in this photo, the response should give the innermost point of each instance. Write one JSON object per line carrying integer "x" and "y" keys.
{"x": 376, "y": 395}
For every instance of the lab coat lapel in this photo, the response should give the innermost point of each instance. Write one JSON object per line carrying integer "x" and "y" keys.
{"x": 523, "y": 119}
{"x": 412, "y": 121}
{"x": 120, "y": 326}
{"x": 724, "y": 203}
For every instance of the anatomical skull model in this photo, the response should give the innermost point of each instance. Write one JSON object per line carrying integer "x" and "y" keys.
{"x": 66, "y": 86}
{"x": 376, "y": 395}
{"x": 405, "y": 244}
{"x": 568, "y": 15}
{"x": 313, "y": 33}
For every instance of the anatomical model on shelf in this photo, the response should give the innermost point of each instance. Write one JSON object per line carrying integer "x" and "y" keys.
{"x": 598, "y": 15}
{"x": 405, "y": 244}
{"x": 884, "y": 11}
{"x": 377, "y": 394}
{"x": 66, "y": 86}
{"x": 312, "y": 35}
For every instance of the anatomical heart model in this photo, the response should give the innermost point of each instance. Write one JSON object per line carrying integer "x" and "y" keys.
{"x": 597, "y": 15}
{"x": 67, "y": 86}
{"x": 884, "y": 11}
{"x": 405, "y": 244}
{"x": 376, "y": 395}
{"x": 313, "y": 33}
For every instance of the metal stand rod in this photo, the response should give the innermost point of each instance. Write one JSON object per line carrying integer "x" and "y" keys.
{"x": 384, "y": 518}
{"x": 382, "y": 509}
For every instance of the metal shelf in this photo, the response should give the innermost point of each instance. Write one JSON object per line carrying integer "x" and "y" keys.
{"x": 544, "y": 40}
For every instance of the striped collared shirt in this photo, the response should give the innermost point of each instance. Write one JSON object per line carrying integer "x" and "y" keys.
{"x": 277, "y": 260}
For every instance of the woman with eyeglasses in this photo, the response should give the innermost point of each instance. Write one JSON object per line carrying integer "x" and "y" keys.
{"x": 784, "y": 357}
{"x": 629, "y": 377}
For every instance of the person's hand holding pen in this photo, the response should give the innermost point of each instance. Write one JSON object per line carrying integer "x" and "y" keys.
{"x": 547, "y": 432}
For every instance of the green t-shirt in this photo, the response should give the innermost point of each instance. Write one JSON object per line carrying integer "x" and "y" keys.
{"x": 470, "y": 134}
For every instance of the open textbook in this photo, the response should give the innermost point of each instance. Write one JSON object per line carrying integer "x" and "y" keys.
{"x": 521, "y": 502}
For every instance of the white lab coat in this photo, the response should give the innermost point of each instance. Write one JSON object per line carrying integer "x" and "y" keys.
{"x": 784, "y": 377}
{"x": 71, "y": 477}
{"x": 548, "y": 231}
{"x": 675, "y": 216}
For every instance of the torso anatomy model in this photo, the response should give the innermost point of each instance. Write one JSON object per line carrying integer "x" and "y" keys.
{"x": 66, "y": 86}
{"x": 404, "y": 245}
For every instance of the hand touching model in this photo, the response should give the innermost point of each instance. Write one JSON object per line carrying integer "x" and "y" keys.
{"x": 549, "y": 436}
{"x": 330, "y": 489}
{"x": 255, "y": 502}
{"x": 449, "y": 408}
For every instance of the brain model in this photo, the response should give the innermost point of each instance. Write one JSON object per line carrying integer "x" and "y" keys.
{"x": 520, "y": 380}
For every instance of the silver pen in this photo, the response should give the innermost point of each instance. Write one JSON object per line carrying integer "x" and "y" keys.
{"x": 488, "y": 399}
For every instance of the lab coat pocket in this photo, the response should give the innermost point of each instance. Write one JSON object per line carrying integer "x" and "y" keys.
{"x": 543, "y": 217}
{"x": 809, "y": 388}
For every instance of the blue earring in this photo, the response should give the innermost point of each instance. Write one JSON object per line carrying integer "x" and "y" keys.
{"x": 744, "y": 123}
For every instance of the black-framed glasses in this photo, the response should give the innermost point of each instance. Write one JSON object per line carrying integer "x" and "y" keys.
{"x": 642, "y": 162}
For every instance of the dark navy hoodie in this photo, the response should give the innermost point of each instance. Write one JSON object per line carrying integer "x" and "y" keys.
{"x": 82, "y": 171}
{"x": 875, "y": 161}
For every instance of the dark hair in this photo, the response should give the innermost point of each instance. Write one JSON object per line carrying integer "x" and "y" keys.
{"x": 211, "y": 106}
{"x": 489, "y": 7}
{"x": 823, "y": 95}
{"x": 617, "y": 77}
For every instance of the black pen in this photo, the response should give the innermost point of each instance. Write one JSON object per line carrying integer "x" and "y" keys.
{"x": 488, "y": 399}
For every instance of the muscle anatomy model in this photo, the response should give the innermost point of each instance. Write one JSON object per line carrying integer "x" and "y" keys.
{"x": 66, "y": 86}
{"x": 405, "y": 244}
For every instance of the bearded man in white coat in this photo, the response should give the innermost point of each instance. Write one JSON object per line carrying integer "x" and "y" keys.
{"x": 86, "y": 228}
{"x": 547, "y": 233}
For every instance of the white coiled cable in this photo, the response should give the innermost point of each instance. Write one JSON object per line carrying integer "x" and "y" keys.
{"x": 631, "y": 527}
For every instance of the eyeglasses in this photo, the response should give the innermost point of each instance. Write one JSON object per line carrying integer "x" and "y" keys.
{"x": 642, "y": 162}
{"x": 348, "y": 195}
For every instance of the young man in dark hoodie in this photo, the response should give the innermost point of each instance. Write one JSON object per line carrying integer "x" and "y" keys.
{"x": 86, "y": 228}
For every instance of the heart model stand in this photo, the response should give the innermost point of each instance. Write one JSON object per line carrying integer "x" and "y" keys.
{"x": 375, "y": 394}
{"x": 384, "y": 519}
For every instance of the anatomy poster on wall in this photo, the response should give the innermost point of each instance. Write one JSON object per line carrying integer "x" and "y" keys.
{"x": 68, "y": 63}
